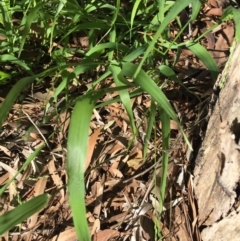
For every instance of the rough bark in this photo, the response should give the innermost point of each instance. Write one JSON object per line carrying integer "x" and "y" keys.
{"x": 217, "y": 170}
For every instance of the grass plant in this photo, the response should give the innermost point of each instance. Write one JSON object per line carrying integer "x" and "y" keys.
{"x": 129, "y": 40}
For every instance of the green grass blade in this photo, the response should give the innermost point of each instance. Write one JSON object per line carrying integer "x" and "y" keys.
{"x": 13, "y": 95}
{"x": 79, "y": 27}
{"x": 232, "y": 13}
{"x": 26, "y": 163}
{"x": 100, "y": 48}
{"x": 29, "y": 20}
{"x": 173, "y": 12}
{"x": 134, "y": 12}
{"x": 148, "y": 85}
{"x": 14, "y": 60}
{"x": 196, "y": 6}
{"x": 135, "y": 53}
{"x": 161, "y": 10}
{"x": 22, "y": 212}
{"x": 112, "y": 38}
{"x": 76, "y": 156}
{"x": 151, "y": 121}
{"x": 101, "y": 92}
{"x": 5, "y": 17}
{"x": 60, "y": 6}
{"x": 236, "y": 19}
{"x": 205, "y": 57}
{"x": 16, "y": 90}
{"x": 90, "y": 8}
{"x": 4, "y": 78}
{"x": 124, "y": 95}
{"x": 116, "y": 12}
{"x": 133, "y": 94}
{"x": 85, "y": 65}
{"x": 165, "y": 155}
{"x": 169, "y": 73}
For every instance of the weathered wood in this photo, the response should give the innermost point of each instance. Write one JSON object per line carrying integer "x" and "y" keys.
{"x": 224, "y": 230}
{"x": 217, "y": 168}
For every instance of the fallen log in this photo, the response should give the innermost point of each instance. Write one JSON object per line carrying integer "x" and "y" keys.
{"x": 217, "y": 166}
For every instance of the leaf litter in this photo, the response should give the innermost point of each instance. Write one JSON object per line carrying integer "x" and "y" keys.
{"x": 122, "y": 198}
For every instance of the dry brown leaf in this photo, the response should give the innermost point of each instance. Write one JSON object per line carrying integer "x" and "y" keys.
{"x": 39, "y": 189}
{"x": 12, "y": 191}
{"x": 213, "y": 3}
{"x": 95, "y": 227}
{"x": 4, "y": 178}
{"x": 146, "y": 228}
{"x": 5, "y": 150}
{"x": 165, "y": 231}
{"x": 116, "y": 162}
{"x": 65, "y": 120}
{"x": 173, "y": 125}
{"x": 115, "y": 172}
{"x": 105, "y": 235}
{"x": 11, "y": 170}
{"x": 67, "y": 235}
{"x": 214, "y": 12}
{"x": 91, "y": 145}
{"x": 193, "y": 206}
{"x": 116, "y": 148}
{"x": 120, "y": 217}
{"x": 27, "y": 172}
{"x": 223, "y": 43}
{"x": 43, "y": 96}
{"x": 134, "y": 162}
{"x": 99, "y": 196}
{"x": 57, "y": 181}
{"x": 180, "y": 225}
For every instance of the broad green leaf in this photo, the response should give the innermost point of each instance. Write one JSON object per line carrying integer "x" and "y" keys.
{"x": 19, "y": 214}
